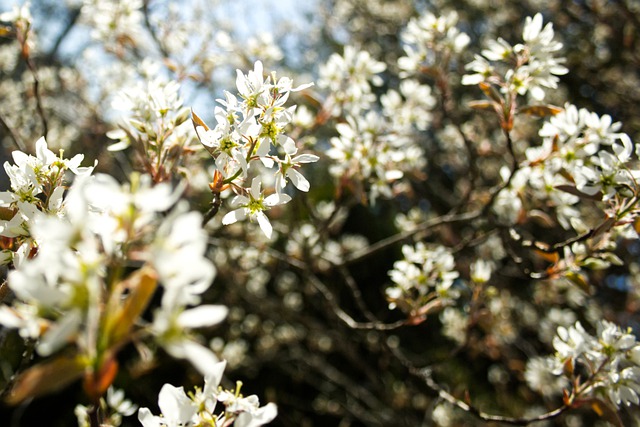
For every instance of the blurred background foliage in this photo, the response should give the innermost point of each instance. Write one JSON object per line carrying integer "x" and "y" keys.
{"x": 283, "y": 337}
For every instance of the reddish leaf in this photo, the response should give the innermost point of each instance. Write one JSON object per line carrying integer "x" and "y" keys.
{"x": 197, "y": 121}
{"x": 481, "y": 105}
{"x": 97, "y": 383}
{"x": 45, "y": 378}
{"x": 122, "y": 315}
{"x": 540, "y": 110}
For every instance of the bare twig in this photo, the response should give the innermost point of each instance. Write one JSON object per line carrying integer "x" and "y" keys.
{"x": 425, "y": 374}
{"x": 13, "y": 135}
{"x": 331, "y": 299}
{"x": 407, "y": 234}
{"x": 215, "y": 207}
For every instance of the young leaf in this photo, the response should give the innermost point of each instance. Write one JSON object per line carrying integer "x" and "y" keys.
{"x": 540, "y": 110}
{"x": 140, "y": 286}
{"x": 45, "y": 378}
{"x": 197, "y": 121}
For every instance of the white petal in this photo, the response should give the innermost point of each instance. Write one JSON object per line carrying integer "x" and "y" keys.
{"x": 202, "y": 358}
{"x": 56, "y": 337}
{"x": 298, "y": 180}
{"x": 234, "y": 216}
{"x": 264, "y": 223}
{"x": 257, "y": 418}
{"x": 147, "y": 419}
{"x": 255, "y": 187}
{"x": 305, "y": 158}
{"x": 212, "y": 380}
{"x": 175, "y": 405}
{"x": 277, "y": 199}
{"x": 204, "y": 315}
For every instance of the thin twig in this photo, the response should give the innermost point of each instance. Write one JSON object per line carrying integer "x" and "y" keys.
{"x": 36, "y": 91}
{"x": 215, "y": 207}
{"x": 13, "y": 135}
{"x": 331, "y": 299}
{"x": 404, "y": 235}
{"x": 425, "y": 374}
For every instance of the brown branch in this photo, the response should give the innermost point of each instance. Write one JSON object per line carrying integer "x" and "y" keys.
{"x": 215, "y": 207}
{"x": 152, "y": 31}
{"x": 13, "y": 135}
{"x": 425, "y": 374}
{"x": 36, "y": 91}
{"x": 357, "y": 294}
{"x": 330, "y": 298}
{"x": 449, "y": 218}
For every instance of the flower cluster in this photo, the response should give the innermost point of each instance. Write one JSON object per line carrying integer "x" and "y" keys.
{"x": 157, "y": 125}
{"x": 605, "y": 366}
{"x": 431, "y": 40}
{"x": 250, "y": 132}
{"x": 348, "y": 78}
{"x": 423, "y": 280}
{"x": 114, "y": 23}
{"x": 531, "y": 66}
{"x": 376, "y": 148}
{"x": 38, "y": 184}
{"x": 75, "y": 293}
{"x": 198, "y": 408}
{"x": 114, "y": 406}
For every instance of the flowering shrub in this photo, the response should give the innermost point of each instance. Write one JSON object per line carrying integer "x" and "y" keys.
{"x": 458, "y": 243}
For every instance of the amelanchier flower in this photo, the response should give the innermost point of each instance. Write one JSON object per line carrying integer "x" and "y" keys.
{"x": 426, "y": 274}
{"x": 250, "y": 137}
{"x": 604, "y": 366}
{"x": 198, "y": 408}
{"x": 525, "y": 68}
{"x": 253, "y": 206}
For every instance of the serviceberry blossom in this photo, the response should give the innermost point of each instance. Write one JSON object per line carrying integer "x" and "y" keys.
{"x": 348, "y": 78}
{"x": 114, "y": 408}
{"x": 37, "y": 185}
{"x": 430, "y": 40}
{"x": 604, "y": 366}
{"x": 113, "y": 22}
{"x": 426, "y": 273}
{"x": 374, "y": 152}
{"x": 253, "y": 205}
{"x": 289, "y": 169}
{"x": 198, "y": 408}
{"x": 526, "y": 68}
{"x": 250, "y": 136}
{"x": 155, "y": 124}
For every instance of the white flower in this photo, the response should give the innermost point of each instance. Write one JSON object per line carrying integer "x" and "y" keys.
{"x": 257, "y": 417}
{"x": 288, "y": 169}
{"x": 481, "y": 271}
{"x": 176, "y": 408}
{"x": 180, "y": 241}
{"x": 572, "y": 342}
{"x": 543, "y": 374}
{"x": 116, "y": 400}
{"x": 251, "y": 85}
{"x": 254, "y": 206}
{"x": 624, "y": 387}
{"x": 195, "y": 409}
